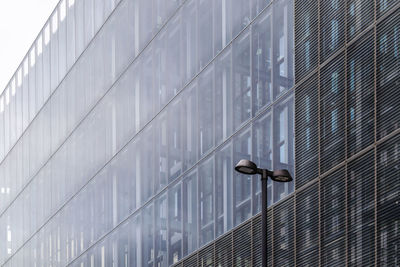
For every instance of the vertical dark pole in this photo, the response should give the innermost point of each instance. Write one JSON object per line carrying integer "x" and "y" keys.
{"x": 264, "y": 222}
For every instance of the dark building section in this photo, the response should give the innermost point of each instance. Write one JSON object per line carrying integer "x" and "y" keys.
{"x": 388, "y": 74}
{"x": 353, "y": 96}
{"x": 306, "y": 38}
{"x": 346, "y": 204}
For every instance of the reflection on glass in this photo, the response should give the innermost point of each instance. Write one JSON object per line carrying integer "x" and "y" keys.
{"x": 189, "y": 38}
{"x": 189, "y": 126}
{"x": 174, "y": 139}
{"x": 223, "y": 189}
{"x": 262, "y": 156}
{"x": 242, "y": 183}
{"x": 147, "y": 236}
{"x": 283, "y": 144}
{"x": 147, "y": 164}
{"x": 206, "y": 201}
{"x": 205, "y": 113}
{"x": 223, "y": 97}
{"x": 205, "y": 32}
{"x": 282, "y": 47}
{"x": 262, "y": 62}
{"x": 241, "y": 80}
{"x": 190, "y": 209}
{"x": 174, "y": 224}
{"x": 161, "y": 148}
{"x": 160, "y": 206}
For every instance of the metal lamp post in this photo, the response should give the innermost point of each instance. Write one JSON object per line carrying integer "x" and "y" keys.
{"x": 250, "y": 168}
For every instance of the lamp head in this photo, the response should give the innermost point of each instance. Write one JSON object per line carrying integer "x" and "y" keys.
{"x": 282, "y": 176}
{"x": 246, "y": 167}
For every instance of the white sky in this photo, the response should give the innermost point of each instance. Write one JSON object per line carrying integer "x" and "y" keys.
{"x": 20, "y": 23}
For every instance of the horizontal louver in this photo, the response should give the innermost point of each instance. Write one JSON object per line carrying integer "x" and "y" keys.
{"x": 359, "y": 15}
{"x": 333, "y": 221}
{"x": 388, "y": 158}
{"x": 307, "y": 225}
{"x": 223, "y": 251}
{"x": 388, "y": 68}
{"x": 360, "y": 211}
{"x": 306, "y": 37}
{"x": 242, "y": 246}
{"x": 332, "y": 114}
{"x": 360, "y": 94}
{"x": 332, "y": 27}
{"x": 306, "y": 115}
{"x": 283, "y": 235}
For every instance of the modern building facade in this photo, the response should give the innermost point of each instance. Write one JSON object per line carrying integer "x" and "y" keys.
{"x": 121, "y": 127}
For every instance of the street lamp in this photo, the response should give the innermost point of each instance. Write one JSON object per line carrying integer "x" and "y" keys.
{"x": 283, "y": 176}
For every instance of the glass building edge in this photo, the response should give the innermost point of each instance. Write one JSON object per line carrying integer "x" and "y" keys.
{"x": 38, "y": 47}
{"x": 150, "y": 214}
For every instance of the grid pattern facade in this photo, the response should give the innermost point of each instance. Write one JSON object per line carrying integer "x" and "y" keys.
{"x": 166, "y": 96}
{"x": 126, "y": 157}
{"x": 345, "y": 207}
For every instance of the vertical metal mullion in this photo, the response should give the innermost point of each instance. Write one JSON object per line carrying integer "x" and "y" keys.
{"x": 214, "y": 139}
{"x": 273, "y": 47}
{"x": 294, "y": 229}
{"x": 272, "y": 235}
{"x": 294, "y": 133}
{"x": 319, "y": 129}
{"x": 233, "y": 248}
{"x": 375, "y": 140}
{"x": 253, "y": 181}
{"x": 154, "y": 233}
{"x": 251, "y": 243}
{"x": 232, "y": 150}
{"x": 345, "y": 135}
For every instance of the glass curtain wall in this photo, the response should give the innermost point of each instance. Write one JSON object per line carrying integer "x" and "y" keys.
{"x": 140, "y": 146}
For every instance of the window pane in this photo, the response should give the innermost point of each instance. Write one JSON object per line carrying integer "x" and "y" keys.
{"x": 148, "y": 167}
{"x": 175, "y": 224}
{"x": 388, "y": 74}
{"x": 205, "y": 113}
{"x": 332, "y": 27}
{"x": 160, "y": 206}
{"x": 189, "y": 39}
{"x": 161, "y": 150}
{"x": 174, "y": 139}
{"x": 360, "y": 211}
{"x": 242, "y": 183}
{"x": 307, "y": 226}
{"x": 388, "y": 158}
{"x": 262, "y": 62}
{"x": 360, "y": 95}
{"x": 283, "y": 145}
{"x": 359, "y": 15}
{"x": 206, "y": 201}
{"x": 241, "y": 80}
{"x": 283, "y": 234}
{"x": 333, "y": 218}
{"x": 262, "y": 156}
{"x": 147, "y": 235}
{"x": 306, "y": 106}
{"x": 306, "y": 38}
{"x": 223, "y": 189}
{"x": 205, "y": 38}
{"x": 282, "y": 45}
{"x": 332, "y": 114}
{"x": 190, "y": 211}
{"x": 223, "y": 97}
{"x": 189, "y": 126}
